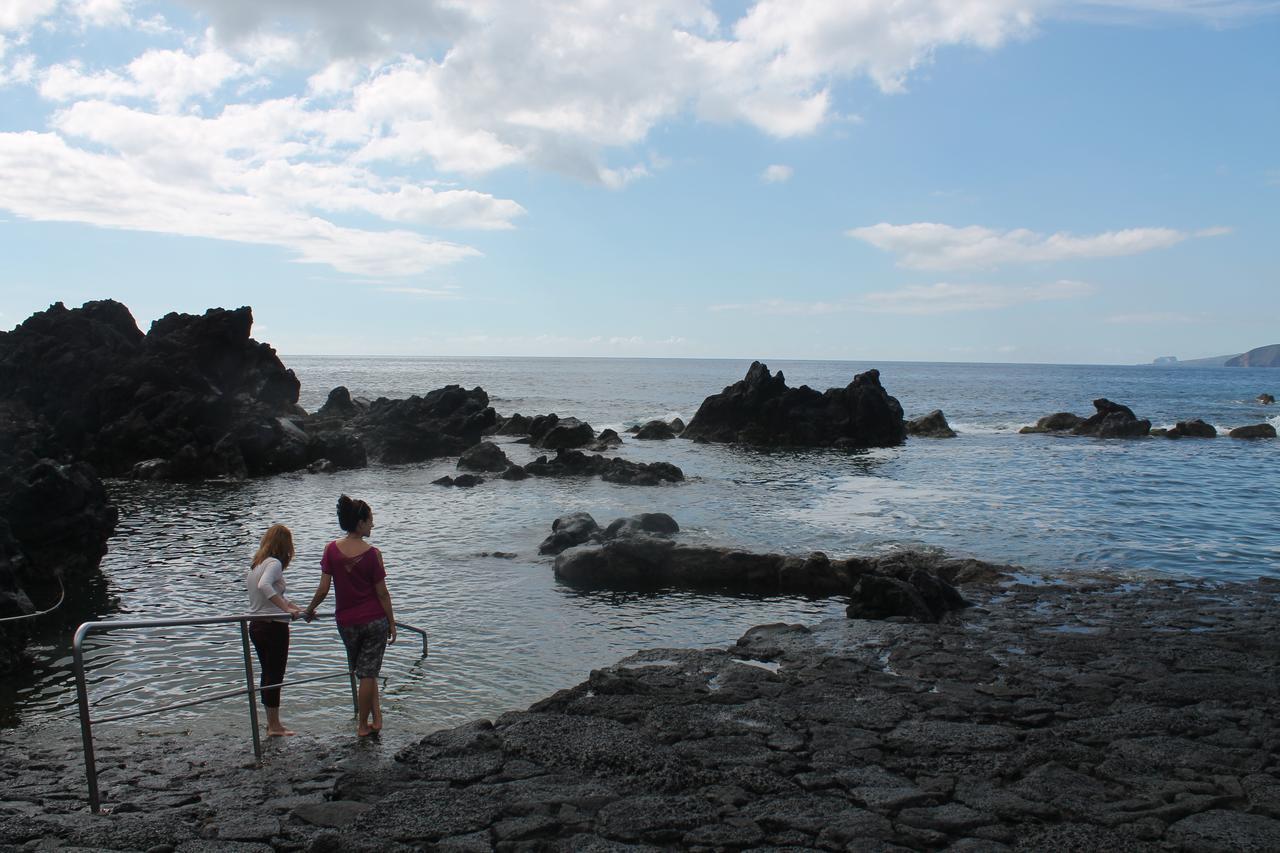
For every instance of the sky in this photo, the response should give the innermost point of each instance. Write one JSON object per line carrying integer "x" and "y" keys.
{"x": 955, "y": 180}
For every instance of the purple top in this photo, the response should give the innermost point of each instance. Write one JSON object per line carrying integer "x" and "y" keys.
{"x": 355, "y": 581}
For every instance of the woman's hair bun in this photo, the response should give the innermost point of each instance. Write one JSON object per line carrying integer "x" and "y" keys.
{"x": 351, "y": 513}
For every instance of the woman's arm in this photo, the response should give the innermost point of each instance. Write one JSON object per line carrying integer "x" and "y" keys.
{"x": 272, "y": 574}
{"x": 322, "y": 591}
{"x": 385, "y": 598}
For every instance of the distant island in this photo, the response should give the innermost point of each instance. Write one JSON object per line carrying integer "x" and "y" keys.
{"x": 1268, "y": 356}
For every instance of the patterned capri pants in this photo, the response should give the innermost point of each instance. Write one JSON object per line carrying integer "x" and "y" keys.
{"x": 365, "y": 646}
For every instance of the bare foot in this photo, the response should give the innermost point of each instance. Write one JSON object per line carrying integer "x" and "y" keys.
{"x": 280, "y": 733}
{"x": 363, "y": 731}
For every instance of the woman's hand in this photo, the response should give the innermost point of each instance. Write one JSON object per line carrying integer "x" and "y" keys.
{"x": 391, "y": 632}
{"x": 309, "y": 614}
{"x": 294, "y": 611}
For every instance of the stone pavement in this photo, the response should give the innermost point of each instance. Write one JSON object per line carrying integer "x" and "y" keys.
{"x": 1098, "y": 715}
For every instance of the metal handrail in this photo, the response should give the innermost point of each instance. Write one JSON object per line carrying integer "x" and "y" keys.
{"x": 82, "y": 690}
{"x": 62, "y": 596}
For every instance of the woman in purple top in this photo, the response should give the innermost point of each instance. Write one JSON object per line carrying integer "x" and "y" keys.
{"x": 365, "y": 620}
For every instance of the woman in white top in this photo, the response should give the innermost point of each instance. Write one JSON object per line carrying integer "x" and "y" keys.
{"x": 271, "y": 636}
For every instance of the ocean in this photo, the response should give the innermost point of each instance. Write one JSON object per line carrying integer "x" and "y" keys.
{"x": 503, "y": 633}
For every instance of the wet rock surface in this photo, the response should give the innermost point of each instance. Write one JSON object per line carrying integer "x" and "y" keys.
{"x": 761, "y": 410}
{"x": 1094, "y": 716}
{"x": 907, "y": 584}
{"x": 575, "y": 463}
{"x": 1109, "y": 420}
{"x": 1263, "y": 430}
{"x": 932, "y": 425}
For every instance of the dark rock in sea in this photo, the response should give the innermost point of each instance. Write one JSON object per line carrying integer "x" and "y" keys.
{"x": 562, "y": 433}
{"x": 195, "y": 390}
{"x": 485, "y": 456}
{"x": 578, "y": 528}
{"x": 761, "y": 410}
{"x": 515, "y": 472}
{"x": 1192, "y": 429}
{"x": 322, "y": 466}
{"x": 1266, "y": 399}
{"x": 640, "y": 473}
{"x": 655, "y": 431}
{"x": 465, "y": 481}
{"x": 516, "y": 424}
{"x": 1057, "y": 422}
{"x": 55, "y": 520}
{"x": 340, "y": 447}
{"x": 606, "y": 440}
{"x": 341, "y": 405}
{"x": 1112, "y": 420}
{"x": 575, "y": 463}
{"x": 1268, "y": 356}
{"x": 646, "y": 522}
{"x": 1263, "y": 430}
{"x": 445, "y": 422}
{"x": 932, "y": 425}
{"x": 677, "y": 426}
{"x": 644, "y": 562}
{"x": 569, "y": 530}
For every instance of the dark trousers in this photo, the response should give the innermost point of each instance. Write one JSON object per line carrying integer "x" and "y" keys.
{"x": 271, "y": 642}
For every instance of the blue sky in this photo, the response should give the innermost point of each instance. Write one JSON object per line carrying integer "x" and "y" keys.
{"x": 1010, "y": 180}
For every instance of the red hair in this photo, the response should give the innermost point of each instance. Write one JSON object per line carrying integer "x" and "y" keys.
{"x": 276, "y": 542}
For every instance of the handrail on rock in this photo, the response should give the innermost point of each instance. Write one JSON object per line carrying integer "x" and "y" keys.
{"x": 82, "y": 690}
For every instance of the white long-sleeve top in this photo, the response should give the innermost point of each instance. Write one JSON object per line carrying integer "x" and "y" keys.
{"x": 263, "y": 581}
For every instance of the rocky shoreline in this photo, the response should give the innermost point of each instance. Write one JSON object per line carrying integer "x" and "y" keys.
{"x": 1092, "y": 715}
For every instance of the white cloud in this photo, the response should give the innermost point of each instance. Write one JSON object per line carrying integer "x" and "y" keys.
{"x": 777, "y": 174}
{"x": 102, "y": 13}
{"x": 947, "y": 298}
{"x": 934, "y": 246}
{"x": 20, "y": 15}
{"x": 169, "y": 78}
{"x": 44, "y": 179}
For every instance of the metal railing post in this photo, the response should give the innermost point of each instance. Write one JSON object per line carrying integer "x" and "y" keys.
{"x": 86, "y": 726}
{"x": 253, "y": 693}
{"x": 355, "y": 693}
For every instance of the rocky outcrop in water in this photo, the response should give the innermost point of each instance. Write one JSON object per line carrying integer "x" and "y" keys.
{"x": 485, "y": 456}
{"x": 578, "y": 528}
{"x": 1111, "y": 420}
{"x": 194, "y": 397}
{"x": 1057, "y": 422}
{"x": 1253, "y": 431}
{"x": 761, "y": 410}
{"x": 1191, "y": 429}
{"x": 1265, "y": 399}
{"x": 932, "y": 425}
{"x": 908, "y": 584}
{"x": 55, "y": 520}
{"x": 551, "y": 432}
{"x": 575, "y": 463}
{"x": 656, "y": 431}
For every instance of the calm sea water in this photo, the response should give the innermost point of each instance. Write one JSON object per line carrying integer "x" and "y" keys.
{"x": 504, "y": 633}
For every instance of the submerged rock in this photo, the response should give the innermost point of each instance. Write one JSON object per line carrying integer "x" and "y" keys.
{"x": 761, "y": 410}
{"x": 1265, "y": 399}
{"x": 1057, "y": 422}
{"x": 567, "y": 531}
{"x": 655, "y": 431}
{"x": 606, "y": 440}
{"x": 1263, "y": 430}
{"x": 932, "y": 425}
{"x": 575, "y": 463}
{"x": 1192, "y": 429}
{"x": 485, "y": 456}
{"x": 1112, "y": 420}
{"x": 920, "y": 588}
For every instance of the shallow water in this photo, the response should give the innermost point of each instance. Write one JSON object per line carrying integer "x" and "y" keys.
{"x": 504, "y": 633}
